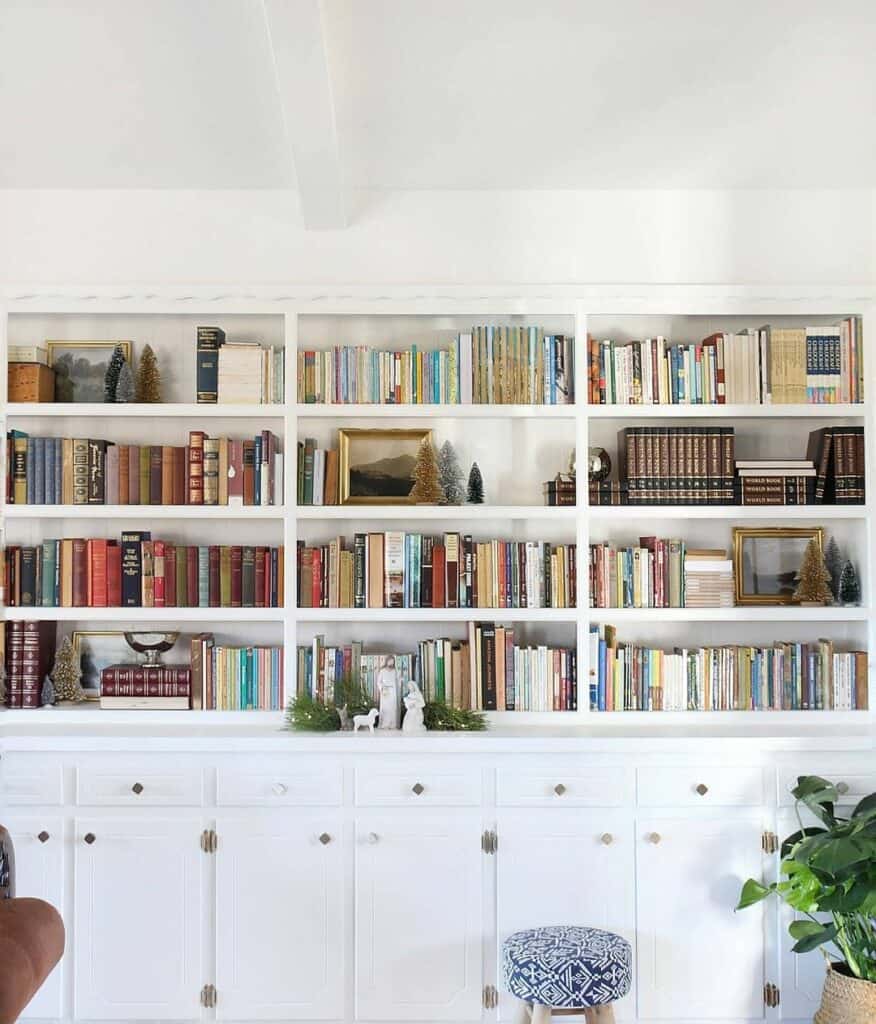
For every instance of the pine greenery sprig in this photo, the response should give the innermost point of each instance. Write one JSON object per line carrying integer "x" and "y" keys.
{"x": 305, "y": 714}
{"x": 356, "y": 699}
{"x": 441, "y": 717}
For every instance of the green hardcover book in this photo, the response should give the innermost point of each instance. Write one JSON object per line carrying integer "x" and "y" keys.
{"x": 182, "y": 589}
{"x": 225, "y": 576}
{"x": 300, "y": 472}
{"x": 309, "y": 448}
{"x": 49, "y": 563}
{"x": 248, "y": 577}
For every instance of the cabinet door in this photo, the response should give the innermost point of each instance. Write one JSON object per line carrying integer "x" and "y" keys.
{"x": 280, "y": 887}
{"x": 560, "y": 867}
{"x": 39, "y": 872}
{"x": 419, "y": 921}
{"x": 139, "y": 912}
{"x": 697, "y": 958}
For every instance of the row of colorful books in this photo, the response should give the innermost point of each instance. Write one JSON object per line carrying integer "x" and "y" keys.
{"x": 230, "y": 678}
{"x": 487, "y": 672}
{"x": 318, "y": 474}
{"x": 240, "y": 372}
{"x": 487, "y": 365}
{"x": 774, "y": 677}
{"x": 410, "y": 570}
{"x": 86, "y": 471}
{"x": 139, "y": 572}
{"x": 768, "y": 365}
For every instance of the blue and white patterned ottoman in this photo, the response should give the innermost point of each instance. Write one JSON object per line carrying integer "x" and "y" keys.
{"x": 566, "y": 967}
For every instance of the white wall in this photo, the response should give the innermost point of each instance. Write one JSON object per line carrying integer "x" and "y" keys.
{"x": 218, "y": 237}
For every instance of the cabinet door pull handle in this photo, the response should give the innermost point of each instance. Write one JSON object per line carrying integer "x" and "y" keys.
{"x": 89, "y": 837}
{"x": 137, "y": 788}
{"x": 842, "y": 788}
{"x": 559, "y": 789}
{"x": 418, "y": 788}
{"x": 43, "y": 836}
{"x": 280, "y": 789}
{"x": 702, "y": 789}
{"x": 606, "y": 839}
{"x": 325, "y": 839}
{"x": 654, "y": 837}
{"x": 373, "y": 838}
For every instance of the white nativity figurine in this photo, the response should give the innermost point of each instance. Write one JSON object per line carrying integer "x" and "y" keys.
{"x": 414, "y": 703}
{"x": 365, "y": 721}
{"x": 387, "y": 687}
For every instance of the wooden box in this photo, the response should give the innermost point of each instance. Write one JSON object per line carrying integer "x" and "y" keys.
{"x": 31, "y": 382}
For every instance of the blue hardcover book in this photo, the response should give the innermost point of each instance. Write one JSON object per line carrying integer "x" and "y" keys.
{"x": 47, "y": 596}
{"x": 39, "y": 465}
{"x": 257, "y": 471}
{"x": 49, "y": 471}
{"x": 603, "y": 668}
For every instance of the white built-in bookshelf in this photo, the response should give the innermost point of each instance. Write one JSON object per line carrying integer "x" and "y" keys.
{"x": 517, "y": 448}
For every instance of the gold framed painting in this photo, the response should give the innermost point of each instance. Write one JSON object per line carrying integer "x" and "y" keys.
{"x": 376, "y": 466}
{"x": 767, "y": 560}
{"x": 80, "y": 368}
{"x": 95, "y": 650}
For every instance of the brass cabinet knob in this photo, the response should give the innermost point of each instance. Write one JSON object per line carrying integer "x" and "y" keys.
{"x": 137, "y": 788}
{"x": 90, "y": 837}
{"x": 418, "y": 788}
{"x": 325, "y": 839}
{"x": 702, "y": 789}
{"x": 373, "y": 838}
{"x": 606, "y": 839}
{"x": 559, "y": 789}
{"x": 842, "y": 788}
{"x": 654, "y": 837}
{"x": 43, "y": 836}
{"x": 280, "y": 789}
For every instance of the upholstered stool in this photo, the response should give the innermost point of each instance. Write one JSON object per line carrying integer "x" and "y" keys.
{"x": 564, "y": 968}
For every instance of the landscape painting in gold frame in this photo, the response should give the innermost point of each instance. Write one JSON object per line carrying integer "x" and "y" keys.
{"x": 80, "y": 368}
{"x": 766, "y": 561}
{"x": 376, "y": 466}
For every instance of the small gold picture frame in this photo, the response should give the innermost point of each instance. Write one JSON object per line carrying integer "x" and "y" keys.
{"x": 97, "y": 649}
{"x": 766, "y": 561}
{"x": 80, "y": 368}
{"x": 376, "y": 466}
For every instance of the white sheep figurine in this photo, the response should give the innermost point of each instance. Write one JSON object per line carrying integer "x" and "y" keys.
{"x": 361, "y": 721}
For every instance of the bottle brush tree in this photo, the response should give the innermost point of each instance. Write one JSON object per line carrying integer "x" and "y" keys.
{"x": 849, "y": 591}
{"x": 148, "y": 388}
{"x": 113, "y": 372}
{"x": 125, "y": 387}
{"x": 475, "y": 486}
{"x": 813, "y": 585}
{"x": 450, "y": 475}
{"x": 427, "y": 489}
{"x": 66, "y": 674}
{"x": 833, "y": 561}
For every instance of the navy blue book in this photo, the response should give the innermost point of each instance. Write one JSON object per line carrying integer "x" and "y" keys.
{"x": 132, "y": 568}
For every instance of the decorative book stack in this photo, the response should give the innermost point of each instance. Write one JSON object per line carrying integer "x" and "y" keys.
{"x": 708, "y": 579}
{"x": 560, "y": 491}
{"x": 776, "y": 481}
{"x": 243, "y": 372}
{"x": 146, "y": 687}
{"x": 30, "y": 648}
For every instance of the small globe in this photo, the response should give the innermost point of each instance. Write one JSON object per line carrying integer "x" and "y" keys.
{"x": 152, "y": 645}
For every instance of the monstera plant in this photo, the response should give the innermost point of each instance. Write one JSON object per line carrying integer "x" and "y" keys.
{"x": 828, "y": 875}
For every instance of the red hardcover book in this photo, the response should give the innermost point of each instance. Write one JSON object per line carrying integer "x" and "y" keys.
{"x": 159, "y": 574}
{"x": 260, "y": 576}
{"x": 248, "y": 472}
{"x": 316, "y": 580}
{"x": 113, "y": 574}
{"x": 97, "y": 563}
{"x": 36, "y": 659}
{"x": 14, "y": 650}
{"x": 191, "y": 576}
{"x": 438, "y": 576}
{"x": 196, "y": 468}
{"x": 80, "y": 573}
{"x": 178, "y": 476}
{"x": 215, "y": 577}
{"x": 166, "y": 474}
{"x": 169, "y": 575}
{"x": 236, "y": 576}
{"x": 155, "y": 463}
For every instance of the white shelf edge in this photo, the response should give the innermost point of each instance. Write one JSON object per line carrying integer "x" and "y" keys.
{"x": 644, "y": 412}
{"x": 143, "y": 512}
{"x": 443, "y": 512}
{"x": 32, "y": 410}
{"x": 437, "y": 615}
{"x": 144, "y": 615}
{"x": 666, "y": 616}
{"x": 496, "y": 412}
{"x": 649, "y": 512}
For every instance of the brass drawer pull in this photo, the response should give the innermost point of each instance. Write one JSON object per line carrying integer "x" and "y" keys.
{"x": 702, "y": 789}
{"x": 43, "y": 836}
{"x": 559, "y": 789}
{"x": 606, "y": 839}
{"x": 89, "y": 837}
{"x": 137, "y": 788}
{"x": 418, "y": 788}
{"x": 654, "y": 837}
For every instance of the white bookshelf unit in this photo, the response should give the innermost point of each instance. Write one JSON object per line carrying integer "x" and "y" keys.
{"x": 517, "y": 447}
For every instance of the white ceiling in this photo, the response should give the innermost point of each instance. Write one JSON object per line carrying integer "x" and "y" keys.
{"x": 457, "y": 94}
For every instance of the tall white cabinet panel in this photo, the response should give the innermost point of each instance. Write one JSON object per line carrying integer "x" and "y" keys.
{"x": 419, "y": 893}
{"x": 280, "y": 917}
{"x": 697, "y": 959}
{"x": 566, "y": 867}
{"x": 139, "y": 912}
{"x": 39, "y": 872}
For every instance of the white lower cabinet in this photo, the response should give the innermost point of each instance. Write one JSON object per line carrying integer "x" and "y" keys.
{"x": 39, "y": 872}
{"x": 139, "y": 911}
{"x": 566, "y": 867}
{"x": 419, "y": 916}
{"x": 697, "y": 959}
{"x": 280, "y": 920}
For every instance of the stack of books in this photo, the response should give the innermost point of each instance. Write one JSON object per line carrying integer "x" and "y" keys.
{"x": 487, "y": 365}
{"x": 317, "y": 474}
{"x": 779, "y": 677}
{"x": 647, "y": 576}
{"x": 88, "y": 471}
{"x": 227, "y": 678}
{"x": 708, "y": 579}
{"x": 146, "y": 687}
{"x": 139, "y": 572}
{"x": 608, "y": 492}
{"x": 560, "y": 491}
{"x": 776, "y": 481}
{"x": 769, "y": 365}
{"x": 678, "y": 465}
{"x": 29, "y": 650}
{"x": 244, "y": 372}
{"x": 411, "y": 570}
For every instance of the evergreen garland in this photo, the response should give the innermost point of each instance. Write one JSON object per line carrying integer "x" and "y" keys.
{"x": 125, "y": 386}
{"x": 306, "y": 714}
{"x": 475, "y": 486}
{"x": 450, "y": 475}
{"x": 113, "y": 371}
{"x": 834, "y": 563}
{"x": 148, "y": 388}
{"x": 849, "y": 591}
{"x": 441, "y": 717}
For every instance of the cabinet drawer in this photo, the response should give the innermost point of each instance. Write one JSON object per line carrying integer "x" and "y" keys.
{"x": 31, "y": 779}
{"x": 284, "y": 781}
{"x": 854, "y": 779}
{"x": 561, "y": 784}
{"x": 164, "y": 781}
{"x": 705, "y": 786}
{"x": 418, "y": 784}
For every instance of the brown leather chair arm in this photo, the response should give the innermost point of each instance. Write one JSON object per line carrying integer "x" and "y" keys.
{"x": 31, "y": 943}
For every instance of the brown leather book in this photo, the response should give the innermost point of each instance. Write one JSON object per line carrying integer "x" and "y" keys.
{"x": 179, "y": 490}
{"x": 97, "y": 590}
{"x": 236, "y": 576}
{"x": 191, "y": 576}
{"x": 305, "y": 577}
{"x": 113, "y": 574}
{"x": 196, "y": 468}
{"x": 80, "y": 573}
{"x": 215, "y": 585}
{"x": 259, "y": 596}
{"x": 155, "y": 463}
{"x": 248, "y": 473}
{"x": 124, "y": 471}
{"x": 144, "y": 470}
{"x": 133, "y": 474}
{"x": 67, "y": 471}
{"x": 166, "y": 475}
{"x": 224, "y": 576}
{"x": 223, "y": 470}
{"x": 330, "y": 496}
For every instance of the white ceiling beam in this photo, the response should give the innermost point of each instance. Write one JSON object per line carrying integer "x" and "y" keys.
{"x": 295, "y": 32}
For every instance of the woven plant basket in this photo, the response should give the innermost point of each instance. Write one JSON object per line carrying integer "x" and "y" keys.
{"x": 846, "y": 1000}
